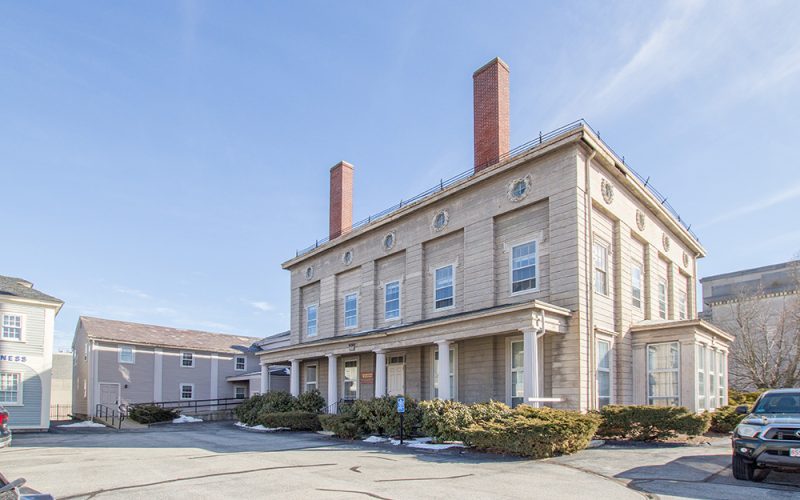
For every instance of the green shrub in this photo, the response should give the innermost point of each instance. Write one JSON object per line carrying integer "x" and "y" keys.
{"x": 149, "y": 414}
{"x": 490, "y": 411}
{"x": 445, "y": 420}
{"x": 344, "y": 425}
{"x": 379, "y": 416}
{"x": 294, "y": 420}
{"x": 272, "y": 402}
{"x": 743, "y": 398}
{"x": 311, "y": 401}
{"x": 533, "y": 432}
{"x": 648, "y": 423}
{"x": 724, "y": 419}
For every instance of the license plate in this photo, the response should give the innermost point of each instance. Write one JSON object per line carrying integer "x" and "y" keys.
{"x": 794, "y": 452}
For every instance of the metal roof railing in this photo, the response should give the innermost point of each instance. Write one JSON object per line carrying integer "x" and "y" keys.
{"x": 523, "y": 148}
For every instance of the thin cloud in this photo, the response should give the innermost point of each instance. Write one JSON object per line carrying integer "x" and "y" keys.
{"x": 131, "y": 292}
{"x": 762, "y": 204}
{"x": 260, "y": 305}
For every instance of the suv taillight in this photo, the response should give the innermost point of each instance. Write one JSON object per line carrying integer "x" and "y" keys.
{"x": 3, "y": 419}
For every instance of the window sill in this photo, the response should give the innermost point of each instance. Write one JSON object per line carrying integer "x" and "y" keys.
{"x": 524, "y": 292}
{"x": 440, "y": 309}
{"x": 187, "y": 366}
{"x": 12, "y": 405}
{"x": 16, "y": 341}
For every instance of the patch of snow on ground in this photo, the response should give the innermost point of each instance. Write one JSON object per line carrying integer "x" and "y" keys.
{"x": 376, "y": 439}
{"x": 186, "y": 419}
{"x": 423, "y": 443}
{"x": 84, "y": 424}
{"x": 260, "y": 428}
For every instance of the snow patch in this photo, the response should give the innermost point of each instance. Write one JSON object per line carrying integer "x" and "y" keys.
{"x": 85, "y": 424}
{"x": 186, "y": 419}
{"x": 423, "y": 443}
{"x": 260, "y": 428}
{"x": 376, "y": 439}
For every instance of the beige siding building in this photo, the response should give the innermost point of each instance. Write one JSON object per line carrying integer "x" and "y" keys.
{"x": 550, "y": 274}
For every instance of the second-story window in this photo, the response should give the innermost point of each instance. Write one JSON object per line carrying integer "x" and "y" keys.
{"x": 444, "y": 289}
{"x": 636, "y": 286}
{"x": 662, "y": 298}
{"x": 600, "y": 269}
{"x": 187, "y": 360}
{"x": 351, "y": 310}
{"x": 523, "y": 267}
{"x": 311, "y": 321}
{"x": 682, "y": 303}
{"x": 12, "y": 327}
{"x": 392, "y": 300}
{"x": 240, "y": 363}
{"x": 126, "y": 354}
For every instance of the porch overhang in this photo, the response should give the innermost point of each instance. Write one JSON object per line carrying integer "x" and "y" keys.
{"x": 695, "y": 329}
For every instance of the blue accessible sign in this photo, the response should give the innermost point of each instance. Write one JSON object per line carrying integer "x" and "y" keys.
{"x": 401, "y": 405}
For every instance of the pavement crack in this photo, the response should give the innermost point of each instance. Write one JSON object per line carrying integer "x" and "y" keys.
{"x": 627, "y": 484}
{"x": 422, "y": 478}
{"x": 373, "y": 495}
{"x": 92, "y": 494}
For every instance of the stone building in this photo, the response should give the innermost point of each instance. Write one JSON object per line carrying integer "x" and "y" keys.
{"x": 549, "y": 274}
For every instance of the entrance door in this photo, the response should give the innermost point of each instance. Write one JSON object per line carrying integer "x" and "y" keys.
{"x": 109, "y": 395}
{"x": 396, "y": 376}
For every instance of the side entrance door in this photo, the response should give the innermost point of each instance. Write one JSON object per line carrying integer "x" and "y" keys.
{"x": 396, "y": 376}
{"x": 109, "y": 395}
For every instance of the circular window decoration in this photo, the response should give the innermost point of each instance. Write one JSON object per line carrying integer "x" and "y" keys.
{"x": 518, "y": 188}
{"x": 309, "y": 272}
{"x": 640, "y": 220}
{"x": 685, "y": 260}
{"x": 440, "y": 220}
{"x": 347, "y": 257}
{"x": 388, "y": 241}
{"x": 608, "y": 191}
{"x": 665, "y": 242}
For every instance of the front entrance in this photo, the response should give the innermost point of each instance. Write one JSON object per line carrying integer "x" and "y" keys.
{"x": 109, "y": 394}
{"x": 396, "y": 376}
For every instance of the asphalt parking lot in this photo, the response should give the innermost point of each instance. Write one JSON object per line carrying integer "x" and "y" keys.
{"x": 217, "y": 460}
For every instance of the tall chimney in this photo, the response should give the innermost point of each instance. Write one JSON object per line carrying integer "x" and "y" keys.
{"x": 341, "y": 211}
{"x": 490, "y": 102}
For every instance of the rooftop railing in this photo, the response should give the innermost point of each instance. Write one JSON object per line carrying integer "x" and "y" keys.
{"x": 523, "y": 148}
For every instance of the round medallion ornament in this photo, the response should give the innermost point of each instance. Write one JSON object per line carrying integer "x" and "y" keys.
{"x": 347, "y": 257}
{"x": 388, "y": 241}
{"x": 640, "y": 220}
{"x": 665, "y": 242}
{"x": 685, "y": 260}
{"x": 608, "y": 191}
{"x": 309, "y": 272}
{"x": 518, "y": 188}
{"x": 440, "y": 220}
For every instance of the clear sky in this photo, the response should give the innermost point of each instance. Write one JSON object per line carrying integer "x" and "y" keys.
{"x": 159, "y": 160}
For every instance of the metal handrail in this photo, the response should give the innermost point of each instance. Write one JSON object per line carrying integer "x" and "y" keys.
{"x": 219, "y": 403}
{"x": 523, "y": 148}
{"x": 117, "y": 414}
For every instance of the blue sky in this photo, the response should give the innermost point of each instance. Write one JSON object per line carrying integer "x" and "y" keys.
{"x": 161, "y": 159}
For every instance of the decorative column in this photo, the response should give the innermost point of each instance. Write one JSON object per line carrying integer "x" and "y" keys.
{"x": 333, "y": 384}
{"x": 380, "y": 373}
{"x": 530, "y": 380}
{"x": 264, "y": 379}
{"x": 443, "y": 366}
{"x": 294, "y": 377}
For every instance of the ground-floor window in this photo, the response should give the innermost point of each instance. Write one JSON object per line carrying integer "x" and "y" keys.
{"x": 517, "y": 369}
{"x": 453, "y": 361}
{"x": 712, "y": 375}
{"x": 721, "y": 372}
{"x": 663, "y": 363}
{"x": 350, "y": 389}
{"x": 701, "y": 376}
{"x": 10, "y": 388}
{"x": 187, "y": 391}
{"x": 603, "y": 372}
{"x": 240, "y": 392}
{"x": 311, "y": 377}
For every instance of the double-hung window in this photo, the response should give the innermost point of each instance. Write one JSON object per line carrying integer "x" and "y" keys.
{"x": 603, "y": 373}
{"x": 392, "y": 301}
{"x": 712, "y": 376}
{"x": 311, "y": 377}
{"x": 517, "y": 367}
{"x": 351, "y": 310}
{"x": 701, "y": 376}
{"x": 12, "y": 327}
{"x": 636, "y": 285}
{"x": 453, "y": 361}
{"x": 126, "y": 354}
{"x": 311, "y": 321}
{"x": 187, "y": 391}
{"x": 682, "y": 303}
{"x": 10, "y": 388}
{"x": 663, "y": 363}
{"x": 600, "y": 268}
{"x": 721, "y": 371}
{"x": 662, "y": 298}
{"x": 523, "y": 267}
{"x": 350, "y": 386}
{"x": 444, "y": 288}
{"x": 240, "y": 363}
{"x": 187, "y": 360}
{"x": 240, "y": 392}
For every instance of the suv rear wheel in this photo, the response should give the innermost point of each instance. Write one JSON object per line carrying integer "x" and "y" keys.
{"x": 744, "y": 470}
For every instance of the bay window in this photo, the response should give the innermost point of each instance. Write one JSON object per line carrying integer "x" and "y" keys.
{"x": 663, "y": 365}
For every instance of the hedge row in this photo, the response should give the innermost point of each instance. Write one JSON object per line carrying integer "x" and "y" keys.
{"x": 648, "y": 423}
{"x": 251, "y": 411}
{"x": 375, "y": 416}
{"x": 150, "y": 414}
{"x": 293, "y": 420}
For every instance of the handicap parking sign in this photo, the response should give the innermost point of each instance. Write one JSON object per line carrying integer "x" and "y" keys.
{"x": 401, "y": 405}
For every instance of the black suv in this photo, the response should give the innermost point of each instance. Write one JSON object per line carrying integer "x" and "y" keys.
{"x": 769, "y": 436}
{"x": 5, "y": 432}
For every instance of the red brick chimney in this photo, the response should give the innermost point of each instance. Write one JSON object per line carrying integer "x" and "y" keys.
{"x": 490, "y": 102}
{"x": 341, "y": 212}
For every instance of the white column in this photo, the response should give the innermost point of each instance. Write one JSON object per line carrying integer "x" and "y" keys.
{"x": 264, "y": 379}
{"x": 294, "y": 377}
{"x": 444, "y": 369}
{"x": 380, "y": 373}
{"x": 333, "y": 383}
{"x": 530, "y": 348}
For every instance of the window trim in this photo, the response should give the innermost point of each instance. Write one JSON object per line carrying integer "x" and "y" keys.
{"x": 22, "y": 323}
{"x": 180, "y": 391}
{"x": 358, "y": 375}
{"x": 314, "y": 306}
{"x": 453, "y": 367}
{"x": 399, "y": 316}
{"x": 236, "y": 363}
{"x": 659, "y": 296}
{"x": 508, "y": 367}
{"x": 20, "y": 396}
{"x": 676, "y": 370}
{"x": 638, "y": 266}
{"x": 453, "y": 297}
{"x": 598, "y": 242}
{"x": 306, "y": 366}
{"x": 120, "y": 347}
{"x": 611, "y": 372}
{"x": 536, "y": 267}
{"x": 180, "y": 360}
{"x": 344, "y": 310}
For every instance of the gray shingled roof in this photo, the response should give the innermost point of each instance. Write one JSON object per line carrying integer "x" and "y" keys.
{"x": 21, "y": 288}
{"x": 138, "y": 333}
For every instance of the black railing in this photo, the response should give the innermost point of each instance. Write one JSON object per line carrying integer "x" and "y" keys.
{"x": 338, "y": 407}
{"x": 60, "y": 412}
{"x": 523, "y": 148}
{"x": 113, "y": 416}
{"x": 196, "y": 404}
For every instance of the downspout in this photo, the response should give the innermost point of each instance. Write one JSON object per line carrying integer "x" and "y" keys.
{"x": 589, "y": 239}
